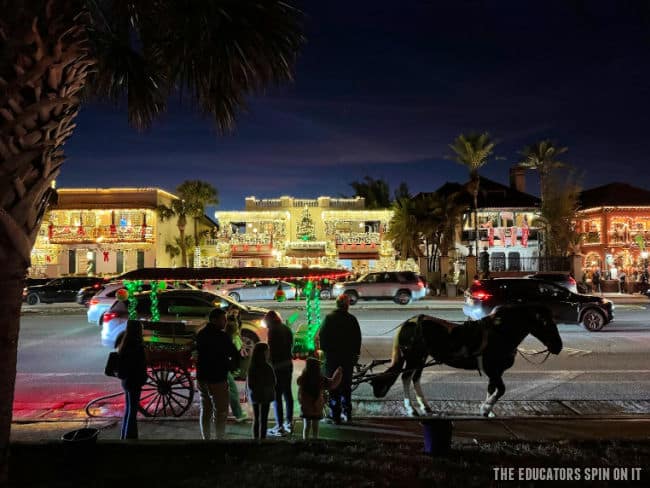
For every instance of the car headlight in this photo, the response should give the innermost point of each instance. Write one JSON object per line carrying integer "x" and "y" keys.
{"x": 263, "y": 323}
{"x": 338, "y": 285}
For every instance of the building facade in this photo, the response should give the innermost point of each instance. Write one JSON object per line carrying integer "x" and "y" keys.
{"x": 508, "y": 238}
{"x": 105, "y": 231}
{"x": 614, "y": 220}
{"x": 287, "y": 231}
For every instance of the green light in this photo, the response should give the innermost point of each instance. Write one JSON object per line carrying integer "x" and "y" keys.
{"x": 133, "y": 286}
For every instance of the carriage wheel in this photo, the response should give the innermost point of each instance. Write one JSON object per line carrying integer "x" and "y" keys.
{"x": 168, "y": 392}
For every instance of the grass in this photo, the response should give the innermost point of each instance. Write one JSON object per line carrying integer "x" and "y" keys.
{"x": 319, "y": 464}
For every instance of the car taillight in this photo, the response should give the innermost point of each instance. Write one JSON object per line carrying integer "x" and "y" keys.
{"x": 481, "y": 295}
{"x": 97, "y": 285}
{"x": 109, "y": 316}
{"x": 420, "y": 284}
{"x": 572, "y": 280}
{"x": 94, "y": 301}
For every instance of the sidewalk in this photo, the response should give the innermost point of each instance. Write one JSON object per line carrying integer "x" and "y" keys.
{"x": 368, "y": 429}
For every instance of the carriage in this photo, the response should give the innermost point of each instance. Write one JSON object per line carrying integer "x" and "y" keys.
{"x": 169, "y": 390}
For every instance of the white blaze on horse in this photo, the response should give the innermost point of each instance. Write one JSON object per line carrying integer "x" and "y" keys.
{"x": 488, "y": 345}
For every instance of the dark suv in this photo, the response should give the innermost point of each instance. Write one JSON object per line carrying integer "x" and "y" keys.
{"x": 485, "y": 296}
{"x": 400, "y": 286}
{"x": 59, "y": 289}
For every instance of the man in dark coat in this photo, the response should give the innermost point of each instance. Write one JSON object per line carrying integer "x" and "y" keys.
{"x": 340, "y": 340}
{"x": 216, "y": 356}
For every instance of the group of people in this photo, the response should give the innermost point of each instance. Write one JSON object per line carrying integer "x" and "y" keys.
{"x": 269, "y": 375}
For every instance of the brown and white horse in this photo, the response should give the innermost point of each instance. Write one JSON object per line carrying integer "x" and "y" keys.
{"x": 488, "y": 345}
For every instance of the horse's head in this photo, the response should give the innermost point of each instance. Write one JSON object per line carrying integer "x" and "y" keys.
{"x": 544, "y": 329}
{"x": 382, "y": 382}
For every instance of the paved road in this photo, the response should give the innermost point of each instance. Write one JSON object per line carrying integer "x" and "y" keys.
{"x": 60, "y": 362}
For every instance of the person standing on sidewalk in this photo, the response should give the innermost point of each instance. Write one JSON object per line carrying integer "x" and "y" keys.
{"x": 260, "y": 383}
{"x": 340, "y": 340}
{"x": 281, "y": 346}
{"x": 216, "y": 356}
{"x": 233, "y": 329}
{"x": 132, "y": 370}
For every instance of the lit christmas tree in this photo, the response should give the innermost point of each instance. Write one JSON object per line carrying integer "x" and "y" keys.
{"x": 305, "y": 229}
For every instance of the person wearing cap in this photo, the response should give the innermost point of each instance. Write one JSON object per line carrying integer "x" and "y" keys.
{"x": 340, "y": 340}
{"x": 216, "y": 356}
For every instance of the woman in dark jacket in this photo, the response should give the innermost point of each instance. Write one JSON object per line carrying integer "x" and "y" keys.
{"x": 133, "y": 373}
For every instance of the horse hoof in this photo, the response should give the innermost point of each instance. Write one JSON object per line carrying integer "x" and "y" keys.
{"x": 428, "y": 410}
{"x": 491, "y": 415}
{"x": 412, "y": 413}
{"x": 485, "y": 411}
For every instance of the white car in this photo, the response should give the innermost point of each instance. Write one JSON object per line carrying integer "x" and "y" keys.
{"x": 105, "y": 298}
{"x": 259, "y": 290}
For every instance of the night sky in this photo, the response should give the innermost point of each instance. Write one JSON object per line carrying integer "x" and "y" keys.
{"x": 382, "y": 88}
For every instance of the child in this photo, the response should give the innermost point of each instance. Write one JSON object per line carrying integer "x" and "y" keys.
{"x": 261, "y": 388}
{"x": 311, "y": 384}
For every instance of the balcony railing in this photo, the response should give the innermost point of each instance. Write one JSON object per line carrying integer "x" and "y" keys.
{"x": 513, "y": 261}
{"x": 469, "y": 236}
{"x": 345, "y": 238}
{"x": 62, "y": 234}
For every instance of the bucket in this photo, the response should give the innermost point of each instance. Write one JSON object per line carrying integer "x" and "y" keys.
{"x": 437, "y": 436}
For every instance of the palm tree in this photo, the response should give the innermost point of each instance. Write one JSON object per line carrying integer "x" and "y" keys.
{"x": 137, "y": 53}
{"x": 542, "y": 157}
{"x": 179, "y": 246}
{"x": 375, "y": 192}
{"x": 473, "y": 151}
{"x": 404, "y": 229}
{"x": 199, "y": 194}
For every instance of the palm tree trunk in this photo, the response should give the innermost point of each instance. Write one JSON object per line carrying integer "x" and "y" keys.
{"x": 476, "y": 218}
{"x": 38, "y": 106}
{"x": 181, "y": 231}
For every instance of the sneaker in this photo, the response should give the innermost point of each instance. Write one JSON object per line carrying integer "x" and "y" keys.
{"x": 241, "y": 418}
{"x": 346, "y": 419}
{"x": 331, "y": 420}
{"x": 288, "y": 427}
{"x": 277, "y": 432}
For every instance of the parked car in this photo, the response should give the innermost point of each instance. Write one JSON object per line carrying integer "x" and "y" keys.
{"x": 59, "y": 289}
{"x": 562, "y": 279}
{"x": 259, "y": 290}
{"x": 189, "y": 306}
{"x": 399, "y": 286}
{"x": 36, "y": 281}
{"x": 99, "y": 300}
{"x": 485, "y": 296}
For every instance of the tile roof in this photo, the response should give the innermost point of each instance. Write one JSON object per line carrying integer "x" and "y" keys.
{"x": 614, "y": 194}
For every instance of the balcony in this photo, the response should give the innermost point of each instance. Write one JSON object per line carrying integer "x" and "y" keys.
{"x": 468, "y": 235}
{"x": 70, "y": 234}
{"x": 349, "y": 238}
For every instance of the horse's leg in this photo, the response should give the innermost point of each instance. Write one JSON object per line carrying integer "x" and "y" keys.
{"x": 418, "y": 391}
{"x": 406, "y": 382}
{"x": 496, "y": 389}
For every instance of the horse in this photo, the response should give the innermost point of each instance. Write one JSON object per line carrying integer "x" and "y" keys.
{"x": 488, "y": 345}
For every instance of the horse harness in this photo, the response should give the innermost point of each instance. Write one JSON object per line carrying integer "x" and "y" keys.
{"x": 415, "y": 340}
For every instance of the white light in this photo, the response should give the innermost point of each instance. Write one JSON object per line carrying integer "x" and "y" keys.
{"x": 644, "y": 254}
{"x": 89, "y": 255}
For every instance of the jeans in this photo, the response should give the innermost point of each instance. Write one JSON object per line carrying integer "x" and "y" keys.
{"x": 131, "y": 402}
{"x": 233, "y": 394}
{"x": 283, "y": 390}
{"x": 260, "y": 420}
{"x": 214, "y": 408}
{"x": 341, "y": 397}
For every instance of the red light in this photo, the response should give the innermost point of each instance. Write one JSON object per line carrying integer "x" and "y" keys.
{"x": 481, "y": 295}
{"x": 109, "y": 316}
{"x": 420, "y": 284}
{"x": 94, "y": 301}
{"x": 572, "y": 280}
{"x": 97, "y": 285}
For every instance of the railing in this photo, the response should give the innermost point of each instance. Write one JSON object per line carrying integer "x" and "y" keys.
{"x": 357, "y": 238}
{"x": 267, "y": 203}
{"x": 301, "y": 202}
{"x": 347, "y": 203}
{"x": 469, "y": 236}
{"x": 60, "y": 234}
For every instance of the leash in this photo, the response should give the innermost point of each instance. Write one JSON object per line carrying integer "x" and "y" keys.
{"x": 524, "y": 355}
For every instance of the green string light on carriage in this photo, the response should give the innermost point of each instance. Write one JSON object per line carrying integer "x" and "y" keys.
{"x": 305, "y": 342}
{"x": 132, "y": 287}
{"x": 156, "y": 286}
